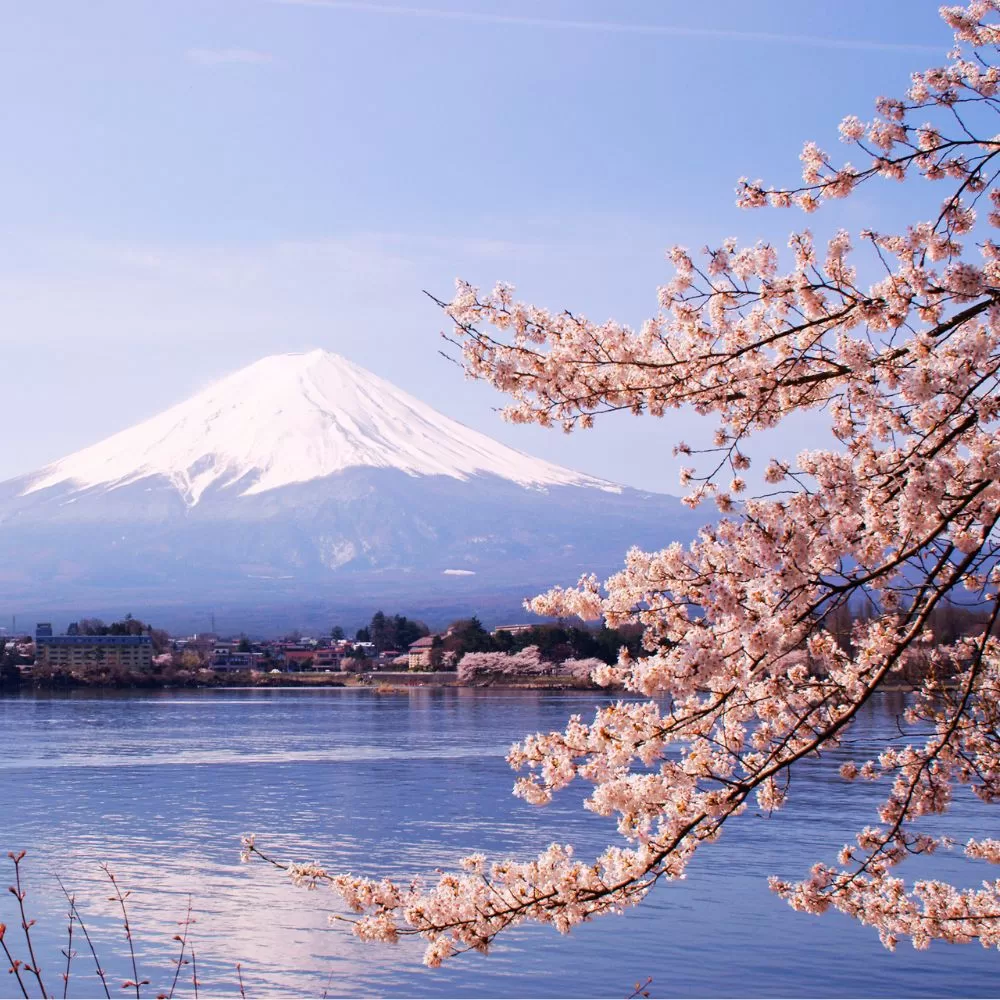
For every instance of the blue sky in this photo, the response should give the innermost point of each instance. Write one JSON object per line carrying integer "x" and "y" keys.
{"x": 188, "y": 185}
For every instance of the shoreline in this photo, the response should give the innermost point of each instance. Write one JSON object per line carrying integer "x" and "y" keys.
{"x": 379, "y": 682}
{"x": 382, "y": 682}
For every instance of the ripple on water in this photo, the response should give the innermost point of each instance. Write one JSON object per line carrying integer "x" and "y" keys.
{"x": 161, "y": 787}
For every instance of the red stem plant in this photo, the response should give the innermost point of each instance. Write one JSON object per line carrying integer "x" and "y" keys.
{"x": 68, "y": 950}
{"x": 18, "y": 892}
{"x": 14, "y": 965}
{"x": 74, "y": 912}
{"x": 17, "y": 967}
{"x": 120, "y": 897}
{"x": 745, "y": 683}
{"x": 182, "y": 938}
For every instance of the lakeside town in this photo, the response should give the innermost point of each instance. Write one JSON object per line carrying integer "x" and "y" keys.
{"x": 389, "y": 649}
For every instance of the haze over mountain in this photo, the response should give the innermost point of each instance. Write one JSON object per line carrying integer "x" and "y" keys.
{"x": 304, "y": 475}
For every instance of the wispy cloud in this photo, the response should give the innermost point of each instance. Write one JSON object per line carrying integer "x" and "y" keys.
{"x": 223, "y": 57}
{"x": 614, "y": 27}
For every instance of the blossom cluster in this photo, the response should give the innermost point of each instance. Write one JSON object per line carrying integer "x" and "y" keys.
{"x": 744, "y": 683}
{"x": 527, "y": 662}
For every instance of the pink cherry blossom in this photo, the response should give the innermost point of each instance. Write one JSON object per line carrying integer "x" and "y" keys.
{"x": 744, "y": 680}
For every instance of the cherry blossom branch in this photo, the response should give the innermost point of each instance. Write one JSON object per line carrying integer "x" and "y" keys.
{"x": 746, "y": 680}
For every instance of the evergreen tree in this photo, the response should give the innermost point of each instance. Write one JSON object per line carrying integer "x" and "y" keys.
{"x": 380, "y": 631}
{"x": 405, "y": 631}
{"x": 10, "y": 674}
{"x": 467, "y": 635}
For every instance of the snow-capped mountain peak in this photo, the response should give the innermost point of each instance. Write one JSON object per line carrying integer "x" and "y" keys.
{"x": 292, "y": 418}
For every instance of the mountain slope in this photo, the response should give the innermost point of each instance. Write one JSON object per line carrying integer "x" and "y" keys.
{"x": 302, "y": 475}
{"x": 293, "y": 418}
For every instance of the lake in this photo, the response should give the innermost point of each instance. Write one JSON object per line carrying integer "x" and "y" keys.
{"x": 161, "y": 786}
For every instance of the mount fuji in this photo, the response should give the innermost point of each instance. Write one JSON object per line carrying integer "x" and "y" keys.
{"x": 306, "y": 476}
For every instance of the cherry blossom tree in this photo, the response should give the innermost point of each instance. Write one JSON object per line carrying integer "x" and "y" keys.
{"x": 744, "y": 683}
{"x": 486, "y": 667}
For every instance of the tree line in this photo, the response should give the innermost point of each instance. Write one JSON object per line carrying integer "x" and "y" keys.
{"x": 128, "y": 625}
{"x": 556, "y": 641}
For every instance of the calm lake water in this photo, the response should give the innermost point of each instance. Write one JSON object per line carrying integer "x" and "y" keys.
{"x": 161, "y": 786}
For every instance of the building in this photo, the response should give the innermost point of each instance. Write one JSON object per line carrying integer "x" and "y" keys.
{"x": 512, "y": 629}
{"x": 418, "y": 655}
{"x": 235, "y": 660}
{"x": 297, "y": 656}
{"x": 78, "y": 652}
{"x": 326, "y": 659}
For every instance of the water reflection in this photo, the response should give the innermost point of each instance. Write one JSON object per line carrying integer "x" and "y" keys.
{"x": 161, "y": 786}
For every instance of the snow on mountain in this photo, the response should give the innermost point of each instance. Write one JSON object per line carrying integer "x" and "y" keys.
{"x": 294, "y": 418}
